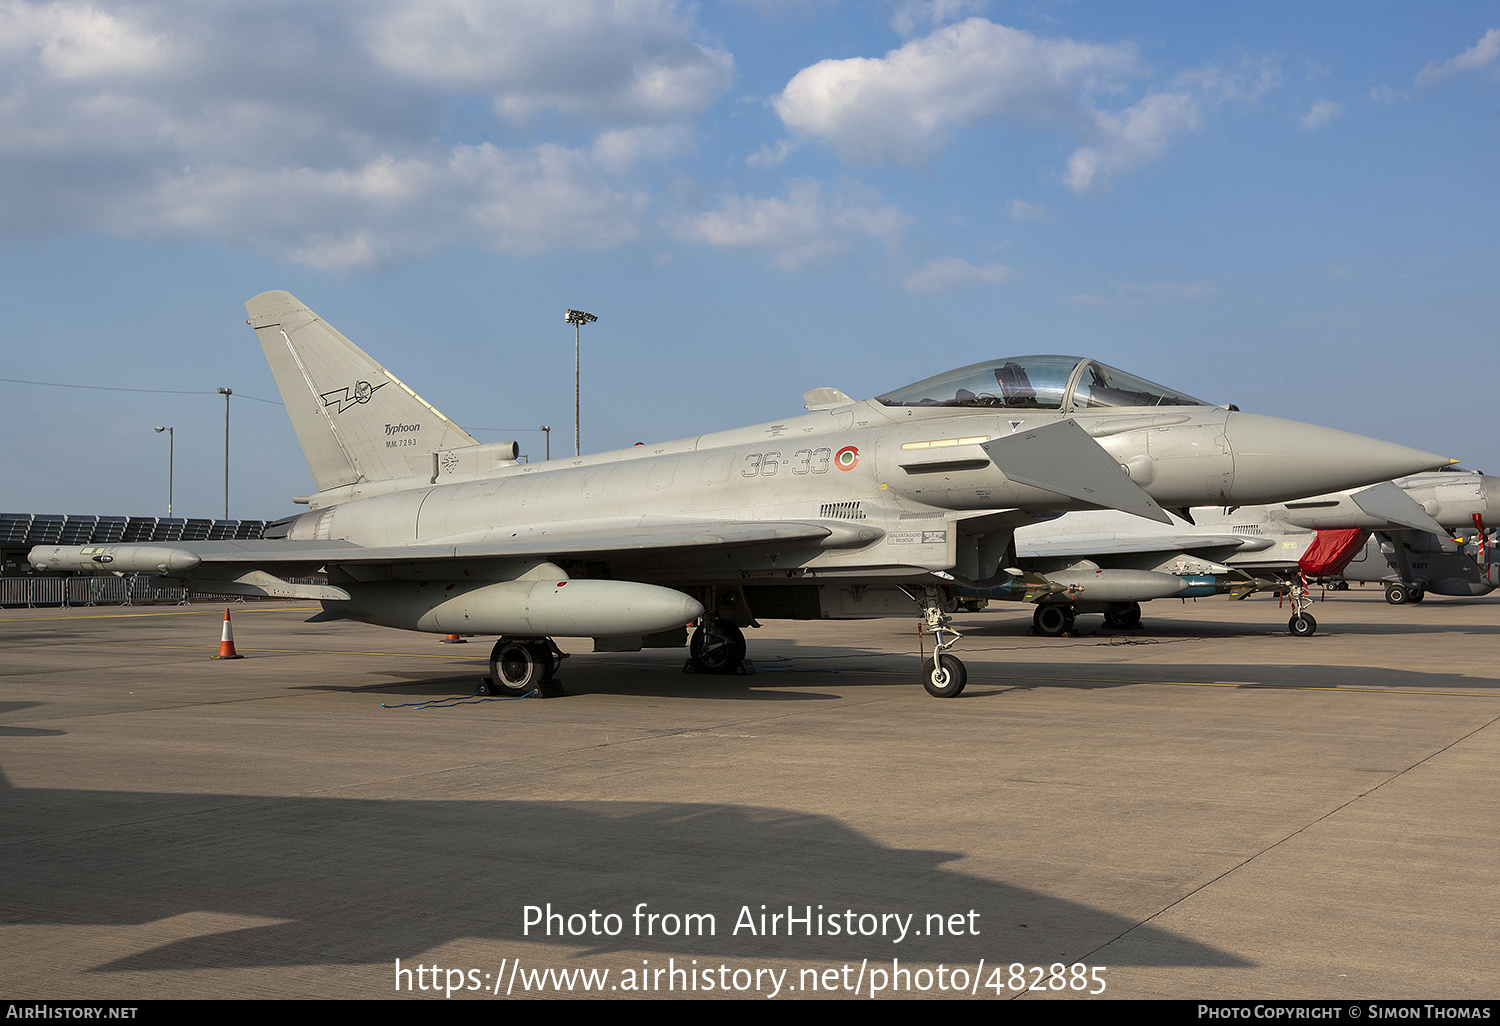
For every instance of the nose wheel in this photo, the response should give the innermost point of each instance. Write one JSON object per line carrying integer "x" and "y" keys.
{"x": 944, "y": 675}
{"x": 1302, "y": 624}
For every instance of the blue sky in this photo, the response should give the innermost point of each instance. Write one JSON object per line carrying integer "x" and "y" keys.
{"x": 1291, "y": 207}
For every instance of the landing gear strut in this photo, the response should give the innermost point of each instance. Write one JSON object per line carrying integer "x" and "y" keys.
{"x": 519, "y": 666}
{"x": 944, "y": 676}
{"x": 717, "y": 646}
{"x": 1302, "y": 624}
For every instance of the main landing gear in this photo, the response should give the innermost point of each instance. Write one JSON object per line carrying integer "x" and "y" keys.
{"x": 1053, "y": 619}
{"x": 1399, "y": 594}
{"x": 1125, "y": 616}
{"x": 519, "y": 666}
{"x": 717, "y": 646}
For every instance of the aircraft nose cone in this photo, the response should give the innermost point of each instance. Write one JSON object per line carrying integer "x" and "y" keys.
{"x": 1278, "y": 460}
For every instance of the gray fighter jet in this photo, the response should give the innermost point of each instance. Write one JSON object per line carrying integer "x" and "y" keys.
{"x": 1411, "y": 564}
{"x": 1414, "y": 522}
{"x": 854, "y": 509}
{"x": 1108, "y": 563}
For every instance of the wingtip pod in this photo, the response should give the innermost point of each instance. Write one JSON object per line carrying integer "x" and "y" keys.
{"x": 124, "y": 559}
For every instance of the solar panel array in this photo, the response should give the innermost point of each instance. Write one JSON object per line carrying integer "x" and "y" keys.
{"x": 25, "y": 530}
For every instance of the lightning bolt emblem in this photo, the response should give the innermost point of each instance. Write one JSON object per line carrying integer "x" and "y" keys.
{"x": 361, "y": 392}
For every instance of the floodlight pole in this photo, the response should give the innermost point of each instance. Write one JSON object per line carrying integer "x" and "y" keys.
{"x": 578, "y": 319}
{"x": 226, "y": 393}
{"x": 171, "y": 446}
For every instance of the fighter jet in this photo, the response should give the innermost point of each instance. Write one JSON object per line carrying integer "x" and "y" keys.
{"x": 1411, "y": 564}
{"x": 1109, "y": 563}
{"x": 1418, "y": 525}
{"x": 857, "y": 508}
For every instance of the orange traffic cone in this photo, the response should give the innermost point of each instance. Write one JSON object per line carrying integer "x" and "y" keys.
{"x": 226, "y": 641}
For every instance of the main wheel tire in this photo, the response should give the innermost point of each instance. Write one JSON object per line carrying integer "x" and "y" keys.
{"x": 944, "y": 676}
{"x": 1053, "y": 619}
{"x": 517, "y": 666}
{"x": 719, "y": 649}
{"x": 1302, "y": 625}
{"x": 1396, "y": 594}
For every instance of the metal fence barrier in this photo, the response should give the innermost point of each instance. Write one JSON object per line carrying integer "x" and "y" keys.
{"x": 102, "y": 590}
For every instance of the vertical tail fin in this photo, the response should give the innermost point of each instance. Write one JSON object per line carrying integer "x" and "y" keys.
{"x": 357, "y": 421}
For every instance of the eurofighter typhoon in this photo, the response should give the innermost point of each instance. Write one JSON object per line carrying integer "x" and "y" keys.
{"x": 857, "y": 508}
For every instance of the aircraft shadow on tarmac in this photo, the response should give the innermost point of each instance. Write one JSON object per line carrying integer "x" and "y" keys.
{"x": 991, "y": 674}
{"x": 658, "y": 674}
{"x": 1291, "y": 676}
{"x": 10, "y": 730}
{"x": 368, "y": 881}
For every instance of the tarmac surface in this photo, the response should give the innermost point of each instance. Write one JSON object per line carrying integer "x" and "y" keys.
{"x": 1208, "y": 808}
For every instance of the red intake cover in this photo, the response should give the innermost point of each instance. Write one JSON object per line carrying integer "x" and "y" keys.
{"x": 1331, "y": 551}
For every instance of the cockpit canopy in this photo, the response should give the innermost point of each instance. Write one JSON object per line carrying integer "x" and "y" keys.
{"x": 1065, "y": 383}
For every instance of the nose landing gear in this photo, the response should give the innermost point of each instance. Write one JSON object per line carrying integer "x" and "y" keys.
{"x": 1302, "y": 624}
{"x": 944, "y": 676}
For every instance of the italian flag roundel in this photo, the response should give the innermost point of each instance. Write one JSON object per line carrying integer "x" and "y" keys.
{"x": 846, "y": 458}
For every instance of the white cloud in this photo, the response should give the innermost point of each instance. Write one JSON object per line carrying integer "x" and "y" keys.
{"x": 1323, "y": 112}
{"x": 621, "y": 149}
{"x": 518, "y": 202}
{"x": 944, "y": 274}
{"x": 329, "y": 136}
{"x": 912, "y": 16}
{"x": 770, "y": 156}
{"x": 801, "y": 229}
{"x": 625, "y": 58}
{"x": 902, "y": 107}
{"x": 78, "y": 42}
{"x": 1481, "y": 55}
{"x": 1138, "y": 134}
{"x": 1244, "y": 83}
